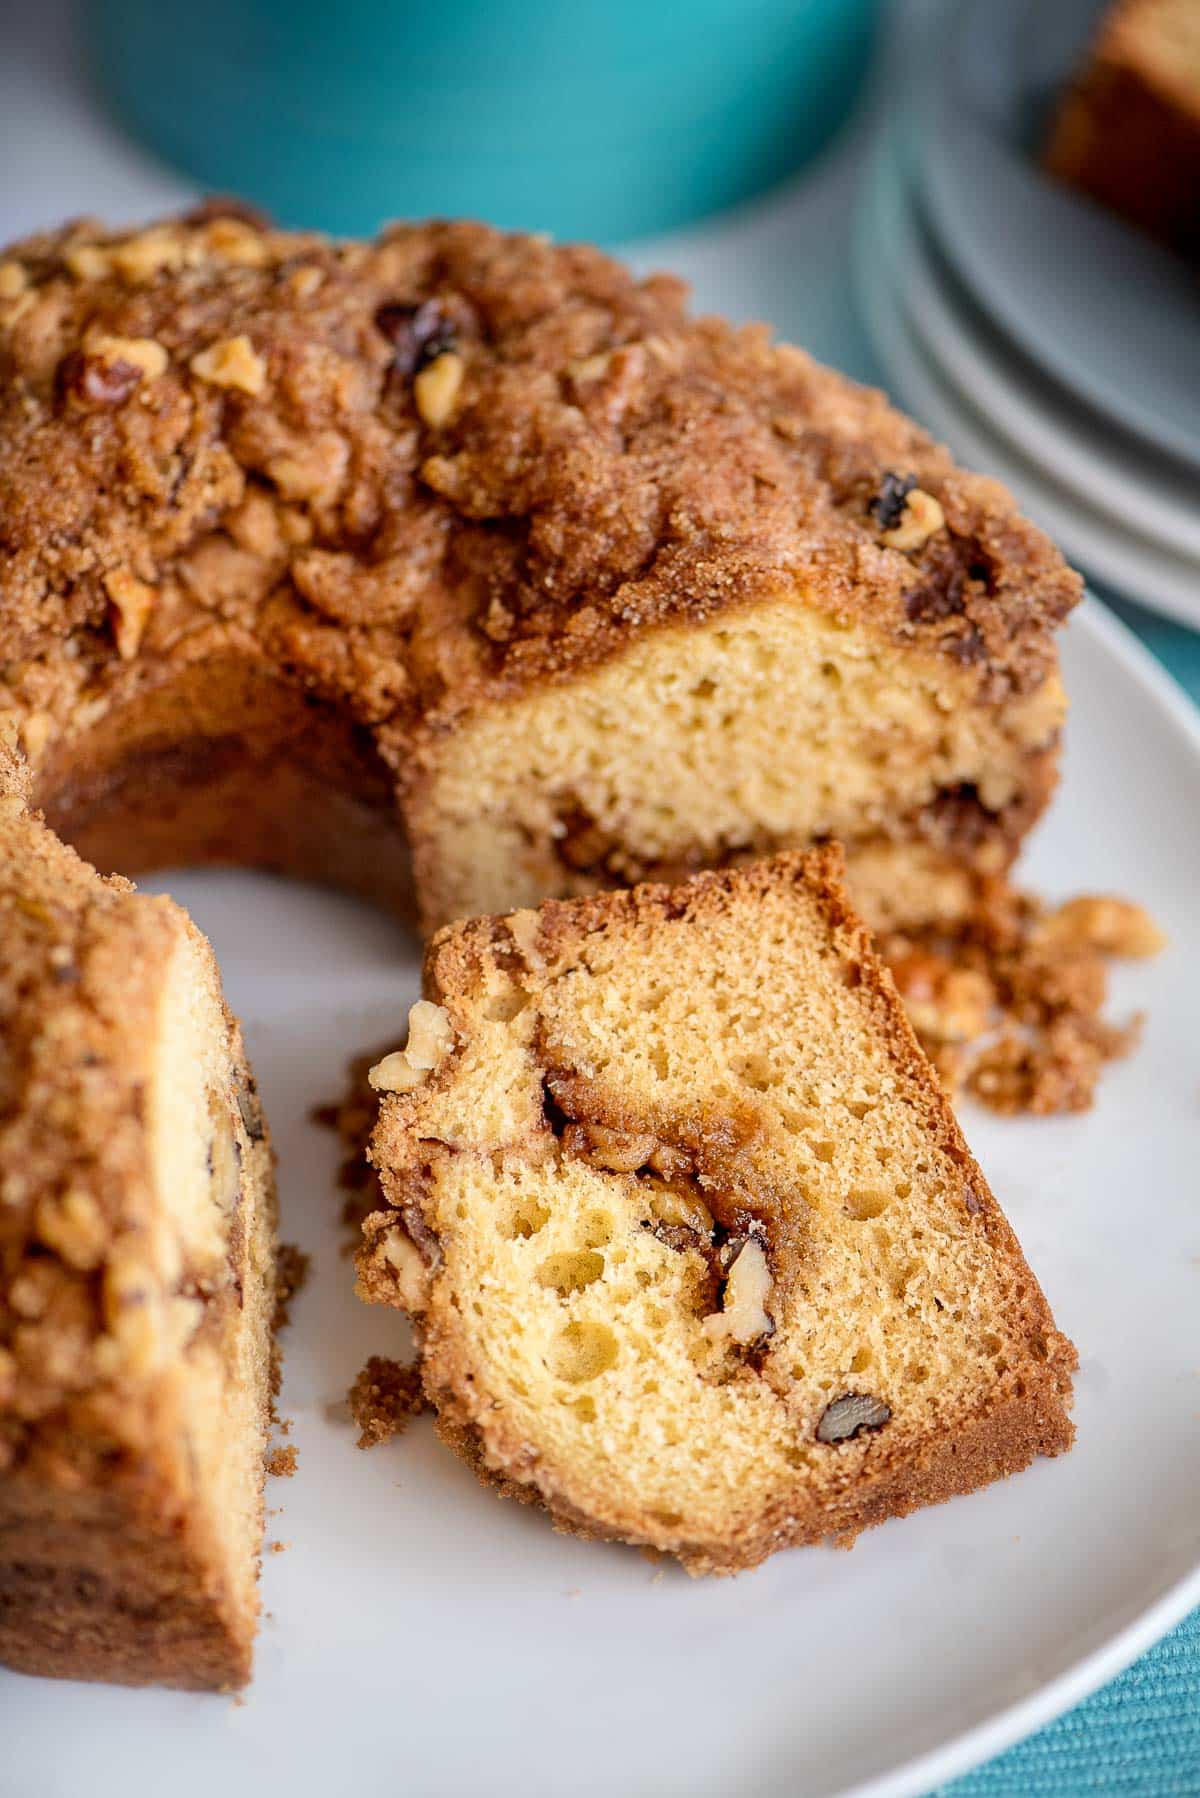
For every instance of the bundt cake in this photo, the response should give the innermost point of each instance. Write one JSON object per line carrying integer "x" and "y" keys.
{"x": 136, "y": 1282}
{"x": 458, "y": 569}
{"x": 466, "y": 545}
{"x": 694, "y": 1248}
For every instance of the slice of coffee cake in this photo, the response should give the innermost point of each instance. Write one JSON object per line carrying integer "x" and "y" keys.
{"x": 695, "y": 1250}
{"x": 137, "y": 1284}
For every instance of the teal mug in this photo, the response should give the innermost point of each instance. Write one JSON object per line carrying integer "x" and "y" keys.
{"x": 586, "y": 118}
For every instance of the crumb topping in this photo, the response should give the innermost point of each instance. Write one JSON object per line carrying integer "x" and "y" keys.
{"x": 448, "y": 459}
{"x": 384, "y": 1399}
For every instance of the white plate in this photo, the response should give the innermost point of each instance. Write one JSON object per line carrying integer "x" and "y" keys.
{"x": 424, "y": 1637}
{"x": 1113, "y": 556}
{"x": 1151, "y": 497}
{"x": 1103, "y": 309}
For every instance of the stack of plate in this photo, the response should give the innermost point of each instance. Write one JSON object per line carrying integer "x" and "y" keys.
{"x": 1041, "y": 338}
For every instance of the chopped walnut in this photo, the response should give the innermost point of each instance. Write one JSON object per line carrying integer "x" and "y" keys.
{"x": 412, "y": 1275}
{"x": 144, "y": 353}
{"x": 430, "y": 1039}
{"x": 140, "y": 258}
{"x": 1037, "y": 980}
{"x": 37, "y": 728}
{"x": 681, "y": 1208}
{"x": 744, "y": 1318}
{"x": 921, "y": 519}
{"x": 313, "y": 470}
{"x": 1114, "y": 926}
{"x": 591, "y": 368}
{"x": 945, "y": 1003}
{"x": 87, "y": 262}
{"x": 619, "y": 1151}
{"x": 13, "y": 280}
{"x": 90, "y": 383}
{"x": 132, "y": 602}
{"x": 74, "y": 1227}
{"x": 231, "y": 362}
{"x": 436, "y": 388}
{"x": 524, "y": 928}
{"x": 233, "y": 240}
{"x": 305, "y": 280}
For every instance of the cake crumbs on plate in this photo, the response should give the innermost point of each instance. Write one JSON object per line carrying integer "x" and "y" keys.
{"x": 282, "y": 1462}
{"x": 1009, "y": 1004}
{"x": 385, "y": 1398}
{"x": 352, "y": 1117}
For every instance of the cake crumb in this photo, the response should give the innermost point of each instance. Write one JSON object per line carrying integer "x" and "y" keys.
{"x": 352, "y": 1117}
{"x": 291, "y": 1271}
{"x": 385, "y": 1398}
{"x": 278, "y": 1548}
{"x": 292, "y": 1267}
{"x": 1033, "y": 1038}
{"x": 282, "y": 1462}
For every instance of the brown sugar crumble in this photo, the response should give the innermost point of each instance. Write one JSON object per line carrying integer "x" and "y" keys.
{"x": 352, "y": 1117}
{"x": 292, "y": 1270}
{"x": 384, "y": 1399}
{"x": 282, "y": 1462}
{"x": 1009, "y": 1004}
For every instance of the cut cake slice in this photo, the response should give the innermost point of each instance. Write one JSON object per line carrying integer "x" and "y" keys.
{"x": 694, "y": 1247}
{"x": 137, "y": 1284}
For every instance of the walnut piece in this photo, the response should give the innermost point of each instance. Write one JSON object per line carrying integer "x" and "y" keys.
{"x": 945, "y": 1004}
{"x": 682, "y": 1208}
{"x": 436, "y": 388}
{"x": 745, "y": 1318}
{"x": 620, "y": 1151}
{"x": 430, "y": 1039}
{"x": 132, "y": 602}
{"x": 1114, "y": 926}
{"x": 140, "y": 258}
{"x": 231, "y": 362}
{"x": 13, "y": 280}
{"x": 233, "y": 240}
{"x": 87, "y": 262}
{"x": 921, "y": 518}
{"x": 144, "y": 353}
{"x": 849, "y": 1415}
{"x": 37, "y": 728}
{"x": 412, "y": 1276}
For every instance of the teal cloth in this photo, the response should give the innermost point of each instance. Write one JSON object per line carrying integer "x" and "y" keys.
{"x": 1141, "y": 1734}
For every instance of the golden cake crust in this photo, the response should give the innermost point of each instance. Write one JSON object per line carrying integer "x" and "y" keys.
{"x": 1022, "y": 1413}
{"x": 205, "y": 426}
{"x": 99, "y": 1522}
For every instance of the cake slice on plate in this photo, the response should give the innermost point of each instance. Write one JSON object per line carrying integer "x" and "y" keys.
{"x": 137, "y": 1284}
{"x": 694, "y": 1247}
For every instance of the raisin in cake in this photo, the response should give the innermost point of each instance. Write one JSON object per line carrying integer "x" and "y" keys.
{"x": 1128, "y": 129}
{"x": 136, "y": 1283}
{"x": 468, "y": 545}
{"x": 694, "y": 1248}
